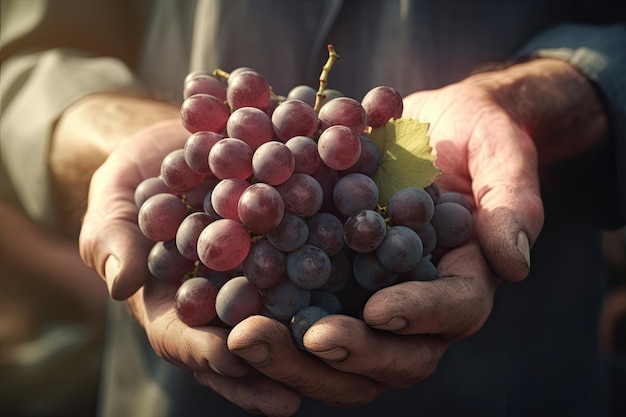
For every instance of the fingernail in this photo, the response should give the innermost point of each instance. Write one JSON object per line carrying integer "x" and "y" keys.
{"x": 336, "y": 354}
{"x": 524, "y": 247}
{"x": 111, "y": 269}
{"x": 396, "y": 323}
{"x": 255, "y": 354}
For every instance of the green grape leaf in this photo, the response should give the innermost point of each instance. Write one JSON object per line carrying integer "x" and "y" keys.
{"x": 406, "y": 157}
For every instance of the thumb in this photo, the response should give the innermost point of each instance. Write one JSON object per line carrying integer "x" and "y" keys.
{"x": 110, "y": 240}
{"x": 509, "y": 209}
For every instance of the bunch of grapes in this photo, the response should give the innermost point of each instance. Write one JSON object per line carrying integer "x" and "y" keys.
{"x": 270, "y": 208}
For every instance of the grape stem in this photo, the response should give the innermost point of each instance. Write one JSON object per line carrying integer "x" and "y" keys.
{"x": 196, "y": 270}
{"x": 332, "y": 57}
{"x": 220, "y": 73}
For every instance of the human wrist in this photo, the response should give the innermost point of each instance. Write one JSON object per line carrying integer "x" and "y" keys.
{"x": 83, "y": 138}
{"x": 553, "y": 102}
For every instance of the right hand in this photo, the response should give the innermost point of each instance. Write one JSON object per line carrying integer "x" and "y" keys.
{"x": 112, "y": 244}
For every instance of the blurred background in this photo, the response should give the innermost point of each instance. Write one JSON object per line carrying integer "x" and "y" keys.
{"x": 51, "y": 322}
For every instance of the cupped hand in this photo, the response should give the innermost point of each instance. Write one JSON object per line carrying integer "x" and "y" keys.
{"x": 406, "y": 328}
{"x": 486, "y": 155}
{"x": 110, "y": 240}
{"x": 203, "y": 350}
{"x": 111, "y": 243}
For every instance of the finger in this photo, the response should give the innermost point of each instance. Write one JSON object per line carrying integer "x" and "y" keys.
{"x": 110, "y": 240}
{"x": 268, "y": 346}
{"x": 505, "y": 184}
{"x": 255, "y": 393}
{"x": 200, "y": 349}
{"x": 455, "y": 305}
{"x": 350, "y": 345}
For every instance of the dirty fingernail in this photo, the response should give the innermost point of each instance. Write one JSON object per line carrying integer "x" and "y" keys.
{"x": 524, "y": 247}
{"x": 396, "y": 323}
{"x": 255, "y": 354}
{"x": 336, "y": 354}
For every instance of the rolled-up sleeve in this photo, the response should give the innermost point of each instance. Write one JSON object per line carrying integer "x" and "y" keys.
{"x": 36, "y": 88}
{"x": 598, "y": 52}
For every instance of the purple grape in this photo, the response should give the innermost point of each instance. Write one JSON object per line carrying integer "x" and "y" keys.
{"x": 433, "y": 190}
{"x": 411, "y": 207}
{"x": 233, "y": 74}
{"x": 453, "y": 224}
{"x": 251, "y": 125}
{"x": 207, "y": 206}
{"x": 294, "y": 118}
{"x": 330, "y": 94}
{"x": 273, "y": 163}
{"x": 291, "y": 234}
{"x": 225, "y": 197}
{"x": 355, "y": 192}
{"x": 188, "y": 233}
{"x": 303, "y": 93}
{"x": 303, "y": 320}
{"x": 370, "y": 274}
{"x": 302, "y": 195}
{"x": 428, "y": 236}
{"x": 327, "y": 178}
{"x": 196, "y": 151}
{"x": 260, "y": 208}
{"x": 194, "y": 301}
{"x": 369, "y": 160}
{"x": 304, "y": 149}
{"x": 160, "y": 216}
{"x": 223, "y": 245}
{"x": 217, "y": 278}
{"x": 325, "y": 232}
{"x": 364, "y": 230}
{"x": 424, "y": 271}
{"x": 231, "y": 158}
{"x": 237, "y": 300}
{"x": 202, "y": 83}
{"x": 327, "y": 300}
{"x": 343, "y": 111}
{"x": 247, "y": 89}
{"x": 340, "y": 272}
{"x": 166, "y": 263}
{"x": 195, "y": 196}
{"x": 308, "y": 267}
{"x": 204, "y": 112}
{"x": 265, "y": 265}
{"x": 176, "y": 174}
{"x": 400, "y": 250}
{"x": 381, "y": 104}
{"x": 454, "y": 197}
{"x": 149, "y": 187}
{"x": 285, "y": 299}
{"x": 339, "y": 147}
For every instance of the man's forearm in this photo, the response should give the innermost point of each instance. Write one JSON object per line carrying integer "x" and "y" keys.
{"x": 554, "y": 103}
{"x": 85, "y": 135}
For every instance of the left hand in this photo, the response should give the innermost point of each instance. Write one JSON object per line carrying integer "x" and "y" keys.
{"x": 486, "y": 155}
{"x": 420, "y": 320}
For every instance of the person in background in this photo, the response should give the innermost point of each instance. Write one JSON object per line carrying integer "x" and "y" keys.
{"x": 536, "y": 141}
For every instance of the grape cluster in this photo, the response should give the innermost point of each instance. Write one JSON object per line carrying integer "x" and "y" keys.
{"x": 270, "y": 208}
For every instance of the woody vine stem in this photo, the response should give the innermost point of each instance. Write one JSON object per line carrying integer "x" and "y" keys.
{"x": 332, "y": 57}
